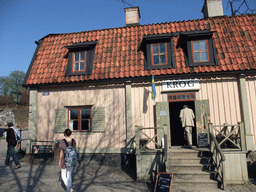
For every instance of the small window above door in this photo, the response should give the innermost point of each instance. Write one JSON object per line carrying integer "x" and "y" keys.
{"x": 178, "y": 97}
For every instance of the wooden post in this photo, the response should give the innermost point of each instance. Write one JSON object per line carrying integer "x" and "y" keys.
{"x": 137, "y": 139}
{"x": 242, "y": 136}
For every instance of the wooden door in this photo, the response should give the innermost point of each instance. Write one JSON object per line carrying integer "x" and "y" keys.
{"x": 202, "y": 113}
{"x": 163, "y": 119}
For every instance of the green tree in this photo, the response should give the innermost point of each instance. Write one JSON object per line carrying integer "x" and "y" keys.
{"x": 11, "y": 83}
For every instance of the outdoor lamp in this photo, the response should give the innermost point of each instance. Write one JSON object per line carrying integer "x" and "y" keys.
{"x": 16, "y": 97}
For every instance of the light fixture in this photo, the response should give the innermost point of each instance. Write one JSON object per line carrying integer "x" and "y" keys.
{"x": 16, "y": 97}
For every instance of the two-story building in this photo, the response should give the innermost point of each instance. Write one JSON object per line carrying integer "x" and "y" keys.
{"x": 98, "y": 83}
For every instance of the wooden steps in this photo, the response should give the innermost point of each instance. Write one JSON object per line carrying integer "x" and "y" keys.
{"x": 191, "y": 168}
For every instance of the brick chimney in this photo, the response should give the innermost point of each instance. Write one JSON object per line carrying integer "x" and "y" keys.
{"x": 132, "y": 16}
{"x": 212, "y": 8}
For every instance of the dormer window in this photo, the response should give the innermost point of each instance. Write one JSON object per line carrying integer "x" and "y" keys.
{"x": 198, "y": 48}
{"x": 200, "y": 51}
{"x": 158, "y": 50}
{"x": 80, "y": 58}
{"x": 79, "y": 61}
{"x": 159, "y": 54}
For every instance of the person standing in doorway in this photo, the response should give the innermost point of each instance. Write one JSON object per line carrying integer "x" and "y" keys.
{"x": 187, "y": 119}
{"x": 66, "y": 172}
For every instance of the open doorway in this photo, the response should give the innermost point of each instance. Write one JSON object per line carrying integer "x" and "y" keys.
{"x": 177, "y": 135}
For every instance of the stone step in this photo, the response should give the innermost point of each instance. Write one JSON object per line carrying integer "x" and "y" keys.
{"x": 192, "y": 188}
{"x": 190, "y": 167}
{"x": 193, "y": 175}
{"x": 185, "y": 155}
{"x": 192, "y": 184}
{"x": 189, "y": 160}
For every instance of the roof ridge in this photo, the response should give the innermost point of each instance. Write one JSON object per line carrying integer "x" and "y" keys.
{"x": 153, "y": 24}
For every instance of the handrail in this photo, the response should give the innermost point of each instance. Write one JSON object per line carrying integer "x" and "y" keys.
{"x": 218, "y": 157}
{"x": 223, "y": 158}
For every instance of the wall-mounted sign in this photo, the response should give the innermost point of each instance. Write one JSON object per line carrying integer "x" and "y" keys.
{"x": 45, "y": 93}
{"x": 163, "y": 113}
{"x": 180, "y": 85}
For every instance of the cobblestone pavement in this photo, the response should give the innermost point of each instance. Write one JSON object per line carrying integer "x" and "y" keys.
{"x": 87, "y": 177}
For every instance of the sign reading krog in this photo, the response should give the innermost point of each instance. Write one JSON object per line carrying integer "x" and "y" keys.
{"x": 180, "y": 85}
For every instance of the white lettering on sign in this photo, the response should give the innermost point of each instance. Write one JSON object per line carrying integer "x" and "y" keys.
{"x": 181, "y": 84}
{"x": 45, "y": 93}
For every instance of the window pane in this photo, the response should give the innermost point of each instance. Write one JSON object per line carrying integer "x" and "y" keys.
{"x": 178, "y": 97}
{"x": 170, "y": 97}
{"x": 82, "y": 56}
{"x": 156, "y": 59}
{"x": 187, "y": 97}
{"x": 155, "y": 48}
{"x": 192, "y": 96}
{"x": 163, "y": 58}
{"x": 85, "y": 113}
{"x": 203, "y": 45}
{"x": 75, "y": 125}
{"x": 81, "y": 66}
{"x": 196, "y": 45}
{"x": 174, "y": 97}
{"x": 76, "y": 67}
{"x": 76, "y": 56}
{"x": 204, "y": 56}
{"x": 197, "y": 56}
{"x": 162, "y": 48}
{"x": 183, "y": 96}
{"x": 85, "y": 125}
{"x": 73, "y": 114}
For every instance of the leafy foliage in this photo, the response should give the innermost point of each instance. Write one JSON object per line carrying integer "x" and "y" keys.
{"x": 12, "y": 83}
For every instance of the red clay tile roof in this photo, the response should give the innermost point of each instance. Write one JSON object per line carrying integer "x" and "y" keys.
{"x": 117, "y": 54}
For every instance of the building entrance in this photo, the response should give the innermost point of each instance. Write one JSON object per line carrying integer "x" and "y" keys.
{"x": 177, "y": 135}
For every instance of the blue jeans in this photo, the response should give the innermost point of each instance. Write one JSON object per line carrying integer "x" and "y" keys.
{"x": 10, "y": 153}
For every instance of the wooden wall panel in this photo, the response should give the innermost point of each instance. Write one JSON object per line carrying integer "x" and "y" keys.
{"x": 143, "y": 106}
{"x": 251, "y": 94}
{"x": 111, "y": 97}
{"x": 235, "y": 167}
{"x": 223, "y": 97}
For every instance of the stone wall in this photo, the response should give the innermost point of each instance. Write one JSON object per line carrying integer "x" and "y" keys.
{"x": 7, "y": 116}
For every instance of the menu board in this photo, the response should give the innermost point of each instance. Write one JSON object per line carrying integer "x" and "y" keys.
{"x": 202, "y": 140}
{"x": 163, "y": 182}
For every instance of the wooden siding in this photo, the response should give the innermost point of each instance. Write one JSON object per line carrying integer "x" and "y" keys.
{"x": 143, "y": 106}
{"x": 223, "y": 98}
{"x": 111, "y": 97}
{"x": 251, "y": 94}
{"x": 235, "y": 167}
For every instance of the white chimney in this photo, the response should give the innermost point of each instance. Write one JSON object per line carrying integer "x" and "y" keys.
{"x": 212, "y": 8}
{"x": 132, "y": 16}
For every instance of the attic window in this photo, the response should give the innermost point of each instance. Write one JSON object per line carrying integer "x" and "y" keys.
{"x": 79, "y": 61}
{"x": 198, "y": 48}
{"x": 80, "y": 58}
{"x": 159, "y": 54}
{"x": 158, "y": 50}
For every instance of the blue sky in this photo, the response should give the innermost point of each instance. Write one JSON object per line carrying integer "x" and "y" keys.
{"x": 22, "y": 22}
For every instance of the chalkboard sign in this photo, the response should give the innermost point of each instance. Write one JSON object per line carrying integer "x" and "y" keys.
{"x": 202, "y": 140}
{"x": 163, "y": 182}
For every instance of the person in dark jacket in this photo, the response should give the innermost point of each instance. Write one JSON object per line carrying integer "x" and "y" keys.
{"x": 12, "y": 142}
